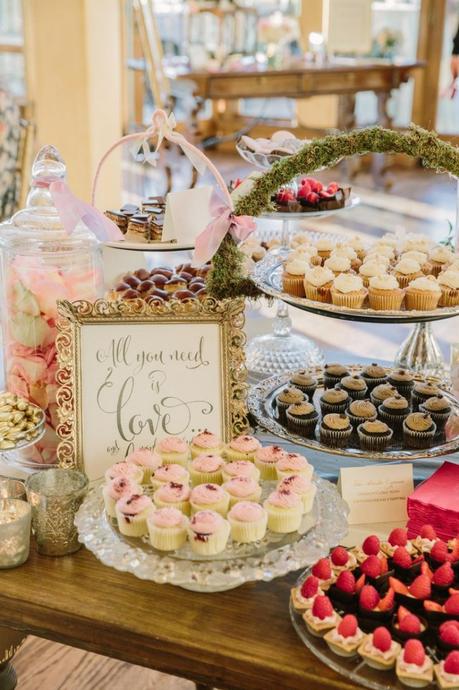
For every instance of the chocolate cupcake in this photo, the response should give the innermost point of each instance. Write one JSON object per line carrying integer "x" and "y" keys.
{"x": 333, "y": 373}
{"x": 355, "y": 386}
{"x": 305, "y": 381}
{"x": 302, "y": 418}
{"x": 288, "y": 396}
{"x": 381, "y": 392}
{"x": 422, "y": 391}
{"x": 374, "y": 375}
{"x": 374, "y": 436}
{"x": 402, "y": 380}
{"x": 393, "y": 411}
{"x": 439, "y": 409}
{"x": 419, "y": 430}
{"x": 334, "y": 400}
{"x": 335, "y": 430}
{"x": 360, "y": 411}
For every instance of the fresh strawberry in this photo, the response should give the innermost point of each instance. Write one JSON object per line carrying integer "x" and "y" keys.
{"x": 325, "y": 195}
{"x": 371, "y": 567}
{"x": 333, "y": 187}
{"x": 322, "y": 569}
{"x": 371, "y": 546}
{"x": 308, "y": 180}
{"x": 283, "y": 196}
{"x": 382, "y": 639}
{"x": 310, "y": 587}
{"x": 449, "y": 633}
{"x": 322, "y": 607}
{"x": 420, "y": 587}
{"x": 339, "y": 556}
{"x": 444, "y": 575}
{"x": 451, "y": 663}
{"x": 410, "y": 624}
{"x": 401, "y": 557}
{"x": 398, "y": 537}
{"x": 451, "y": 605}
{"x": 428, "y": 532}
{"x": 454, "y": 555}
{"x": 359, "y": 584}
{"x": 402, "y": 612}
{"x": 369, "y": 598}
{"x": 425, "y": 569}
{"x": 439, "y": 551}
{"x": 397, "y": 586}
{"x": 312, "y": 198}
{"x": 316, "y": 186}
{"x": 348, "y": 626}
{"x": 303, "y": 191}
{"x": 451, "y": 590}
{"x": 387, "y": 602}
{"x": 384, "y": 565}
{"x": 432, "y": 606}
{"x": 413, "y": 652}
{"x": 346, "y": 582}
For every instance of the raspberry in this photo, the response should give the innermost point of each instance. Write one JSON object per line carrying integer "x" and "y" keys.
{"x": 339, "y": 556}
{"x": 452, "y": 605}
{"x": 348, "y": 626}
{"x": 401, "y": 613}
{"x": 310, "y": 587}
{"x": 420, "y": 587}
{"x": 322, "y": 607}
{"x": 369, "y": 598}
{"x": 371, "y": 545}
{"x": 322, "y": 569}
{"x": 346, "y": 582}
{"x": 398, "y": 537}
{"x": 410, "y": 624}
{"x": 333, "y": 187}
{"x": 449, "y": 633}
{"x": 312, "y": 198}
{"x": 401, "y": 557}
{"x": 444, "y": 575}
{"x": 439, "y": 551}
{"x": 382, "y": 639}
{"x": 451, "y": 663}
{"x": 304, "y": 190}
{"x": 428, "y": 532}
{"x": 413, "y": 652}
{"x": 387, "y": 602}
{"x": 371, "y": 567}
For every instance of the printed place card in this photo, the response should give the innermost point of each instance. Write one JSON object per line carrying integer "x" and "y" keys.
{"x": 187, "y": 214}
{"x": 377, "y": 493}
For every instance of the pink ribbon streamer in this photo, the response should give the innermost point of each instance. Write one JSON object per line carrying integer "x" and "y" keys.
{"x": 223, "y": 222}
{"x": 73, "y": 210}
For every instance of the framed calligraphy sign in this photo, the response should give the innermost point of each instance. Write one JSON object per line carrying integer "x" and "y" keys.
{"x": 130, "y": 373}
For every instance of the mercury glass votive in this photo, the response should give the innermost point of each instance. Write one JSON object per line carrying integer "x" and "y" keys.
{"x": 12, "y": 488}
{"x": 55, "y": 496}
{"x": 14, "y": 532}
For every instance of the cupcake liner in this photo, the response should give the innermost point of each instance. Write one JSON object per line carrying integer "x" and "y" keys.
{"x": 267, "y": 470}
{"x": 293, "y": 285}
{"x": 197, "y": 450}
{"x": 306, "y": 472}
{"x": 247, "y": 532}
{"x": 175, "y": 458}
{"x": 403, "y": 387}
{"x": 183, "y": 506}
{"x": 215, "y": 543}
{"x": 232, "y": 455}
{"x": 133, "y": 528}
{"x": 405, "y": 280}
{"x": 147, "y": 474}
{"x": 357, "y": 395}
{"x": 330, "y": 381}
{"x": 376, "y": 401}
{"x": 385, "y": 300}
{"x": 335, "y": 438}
{"x": 374, "y": 443}
{"x": 254, "y": 475}
{"x": 421, "y": 301}
{"x": 307, "y": 390}
{"x": 355, "y": 421}
{"x": 205, "y": 477}
{"x": 330, "y": 408}
{"x": 308, "y": 499}
{"x": 254, "y": 498}
{"x": 351, "y": 300}
{"x": 418, "y": 439}
{"x": 304, "y": 427}
{"x": 395, "y": 421}
{"x": 440, "y": 418}
{"x": 318, "y": 294}
{"x": 449, "y": 297}
{"x": 417, "y": 400}
{"x": 283, "y": 520}
{"x": 282, "y": 408}
{"x": 436, "y": 268}
{"x": 372, "y": 382}
{"x": 167, "y": 538}
{"x": 219, "y": 506}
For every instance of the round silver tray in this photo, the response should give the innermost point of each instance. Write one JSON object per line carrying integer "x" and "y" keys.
{"x": 262, "y": 161}
{"x": 238, "y": 564}
{"x": 354, "y": 669}
{"x": 352, "y": 202}
{"x": 151, "y": 246}
{"x": 261, "y": 405}
{"x": 267, "y": 275}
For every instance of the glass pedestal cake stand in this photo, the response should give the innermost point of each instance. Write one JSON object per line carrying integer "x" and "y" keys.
{"x": 274, "y": 556}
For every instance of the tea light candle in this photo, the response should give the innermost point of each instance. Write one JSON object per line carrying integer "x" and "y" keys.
{"x": 15, "y": 518}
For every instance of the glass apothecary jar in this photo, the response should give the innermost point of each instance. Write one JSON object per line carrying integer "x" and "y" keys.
{"x": 40, "y": 264}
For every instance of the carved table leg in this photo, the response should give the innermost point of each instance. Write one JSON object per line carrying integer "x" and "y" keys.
{"x": 8, "y": 678}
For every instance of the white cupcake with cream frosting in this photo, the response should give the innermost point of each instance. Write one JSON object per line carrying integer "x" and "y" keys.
{"x": 407, "y": 270}
{"x": 318, "y": 282}
{"x": 423, "y": 294}
{"x": 348, "y": 291}
{"x": 338, "y": 264}
{"x": 449, "y": 284}
{"x": 384, "y": 293}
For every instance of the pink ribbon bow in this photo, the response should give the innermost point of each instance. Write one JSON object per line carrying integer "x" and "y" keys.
{"x": 223, "y": 221}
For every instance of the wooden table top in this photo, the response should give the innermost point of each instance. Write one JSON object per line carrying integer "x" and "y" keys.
{"x": 236, "y": 640}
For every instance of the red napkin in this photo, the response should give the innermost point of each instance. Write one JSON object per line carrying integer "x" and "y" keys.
{"x": 436, "y": 502}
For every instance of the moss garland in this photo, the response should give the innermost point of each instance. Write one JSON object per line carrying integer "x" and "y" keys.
{"x": 227, "y": 278}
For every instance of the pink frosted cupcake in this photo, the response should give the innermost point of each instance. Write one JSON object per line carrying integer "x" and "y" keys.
{"x": 285, "y": 510}
{"x": 147, "y": 460}
{"x": 293, "y": 463}
{"x": 208, "y": 532}
{"x": 242, "y": 448}
{"x": 173, "y": 495}
{"x": 125, "y": 469}
{"x": 131, "y": 513}
{"x": 173, "y": 449}
{"x": 240, "y": 468}
{"x": 242, "y": 489}
{"x": 302, "y": 486}
{"x": 118, "y": 488}
{"x": 206, "y": 469}
{"x": 209, "y": 497}
{"x": 206, "y": 443}
{"x": 266, "y": 459}
{"x": 167, "y": 529}
{"x": 170, "y": 473}
{"x": 248, "y": 522}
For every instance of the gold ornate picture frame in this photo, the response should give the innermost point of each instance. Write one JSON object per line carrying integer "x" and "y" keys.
{"x": 130, "y": 372}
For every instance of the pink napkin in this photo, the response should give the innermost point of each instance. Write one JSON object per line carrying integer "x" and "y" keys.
{"x": 436, "y": 502}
